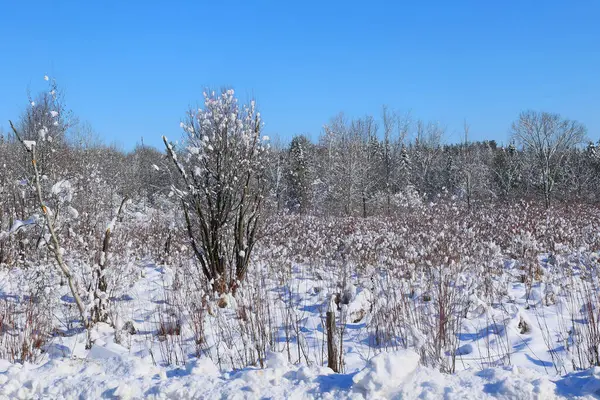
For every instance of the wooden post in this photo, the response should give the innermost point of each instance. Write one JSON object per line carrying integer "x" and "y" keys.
{"x": 332, "y": 350}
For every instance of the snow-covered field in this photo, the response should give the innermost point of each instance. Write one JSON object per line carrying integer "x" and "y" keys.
{"x": 437, "y": 303}
{"x": 148, "y": 365}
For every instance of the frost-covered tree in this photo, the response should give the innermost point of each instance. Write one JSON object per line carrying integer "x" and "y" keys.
{"x": 74, "y": 190}
{"x": 579, "y": 176}
{"x": 352, "y": 165}
{"x": 592, "y": 160}
{"x": 404, "y": 166}
{"x": 370, "y": 182}
{"x": 150, "y": 173}
{"x": 222, "y": 185}
{"x": 277, "y": 175}
{"x": 472, "y": 171}
{"x": 426, "y": 156}
{"x": 507, "y": 171}
{"x": 395, "y": 168}
{"x": 300, "y": 174}
{"x": 47, "y": 119}
{"x": 548, "y": 138}
{"x": 61, "y": 191}
{"x": 10, "y": 197}
{"x": 339, "y": 166}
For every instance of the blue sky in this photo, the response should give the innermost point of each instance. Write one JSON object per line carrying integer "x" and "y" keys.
{"x": 132, "y": 69}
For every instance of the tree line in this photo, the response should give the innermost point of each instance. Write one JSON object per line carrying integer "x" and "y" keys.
{"x": 358, "y": 168}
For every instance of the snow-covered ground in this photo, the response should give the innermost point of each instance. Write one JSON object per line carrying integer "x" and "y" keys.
{"x": 109, "y": 371}
{"x": 147, "y": 365}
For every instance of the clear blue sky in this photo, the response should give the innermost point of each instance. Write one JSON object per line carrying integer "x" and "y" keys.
{"x": 131, "y": 69}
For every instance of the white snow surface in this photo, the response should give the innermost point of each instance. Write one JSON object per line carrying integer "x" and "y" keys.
{"x": 133, "y": 369}
{"x": 110, "y": 372}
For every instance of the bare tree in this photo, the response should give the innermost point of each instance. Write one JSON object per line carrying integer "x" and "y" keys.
{"x": 548, "y": 137}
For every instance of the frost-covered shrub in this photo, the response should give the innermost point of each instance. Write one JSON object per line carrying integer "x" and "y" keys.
{"x": 28, "y": 320}
{"x": 222, "y": 185}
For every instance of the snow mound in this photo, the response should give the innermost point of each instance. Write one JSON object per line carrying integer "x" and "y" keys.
{"x": 277, "y": 360}
{"x": 202, "y": 367}
{"x": 359, "y": 305}
{"x": 111, "y": 350}
{"x": 386, "y": 371}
